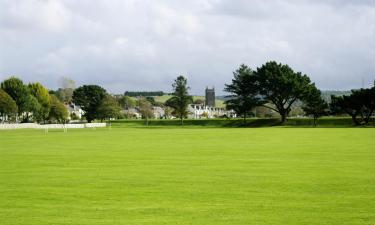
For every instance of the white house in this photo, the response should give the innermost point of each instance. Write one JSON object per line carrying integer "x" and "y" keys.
{"x": 74, "y": 109}
{"x": 198, "y": 111}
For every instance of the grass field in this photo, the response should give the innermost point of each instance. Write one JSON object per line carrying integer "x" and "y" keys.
{"x": 189, "y": 175}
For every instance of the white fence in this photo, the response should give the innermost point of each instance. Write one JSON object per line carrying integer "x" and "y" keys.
{"x": 90, "y": 125}
{"x": 49, "y": 126}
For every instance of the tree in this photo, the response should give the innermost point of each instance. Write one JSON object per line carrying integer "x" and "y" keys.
{"x": 66, "y": 82}
{"x": 281, "y": 86}
{"x": 18, "y": 91}
{"x": 244, "y": 92}
{"x": 109, "y": 108}
{"x": 127, "y": 102}
{"x": 198, "y": 101}
{"x": 145, "y": 108}
{"x": 366, "y": 97}
{"x": 65, "y": 93}
{"x": 8, "y": 107}
{"x": 167, "y": 112}
{"x": 180, "y": 98}
{"x": 151, "y": 100}
{"x": 58, "y": 111}
{"x": 89, "y": 97}
{"x": 42, "y": 95}
{"x": 143, "y": 93}
{"x": 345, "y": 104}
{"x": 359, "y": 103}
{"x": 34, "y": 109}
{"x": 314, "y": 105}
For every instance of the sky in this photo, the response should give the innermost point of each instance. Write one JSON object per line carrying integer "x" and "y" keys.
{"x": 134, "y": 45}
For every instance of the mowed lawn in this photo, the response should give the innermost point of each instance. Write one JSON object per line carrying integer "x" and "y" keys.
{"x": 188, "y": 176}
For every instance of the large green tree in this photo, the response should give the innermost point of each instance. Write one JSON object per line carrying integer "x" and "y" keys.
{"x": 360, "y": 103}
{"x": 180, "y": 99}
{"x": 19, "y": 93}
{"x": 58, "y": 111}
{"x": 243, "y": 92}
{"x": 281, "y": 86}
{"x": 8, "y": 107}
{"x": 34, "y": 109}
{"x": 42, "y": 95}
{"x": 109, "y": 108}
{"x": 314, "y": 105}
{"x": 89, "y": 97}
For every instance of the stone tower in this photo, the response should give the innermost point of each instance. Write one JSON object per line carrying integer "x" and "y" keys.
{"x": 210, "y": 97}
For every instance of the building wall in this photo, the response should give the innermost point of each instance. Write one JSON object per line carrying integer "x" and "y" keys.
{"x": 203, "y": 111}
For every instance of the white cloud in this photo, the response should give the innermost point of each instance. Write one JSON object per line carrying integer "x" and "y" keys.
{"x": 135, "y": 45}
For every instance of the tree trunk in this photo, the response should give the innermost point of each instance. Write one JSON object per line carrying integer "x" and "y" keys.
{"x": 283, "y": 117}
{"x": 244, "y": 118}
{"x": 181, "y": 120}
{"x": 368, "y": 116}
{"x": 315, "y": 121}
{"x": 354, "y": 118}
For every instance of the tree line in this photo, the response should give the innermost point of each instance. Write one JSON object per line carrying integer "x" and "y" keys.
{"x": 278, "y": 87}
{"x": 21, "y": 102}
{"x": 143, "y": 93}
{"x": 273, "y": 85}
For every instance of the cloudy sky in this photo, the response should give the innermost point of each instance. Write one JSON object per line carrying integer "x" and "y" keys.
{"x": 144, "y": 44}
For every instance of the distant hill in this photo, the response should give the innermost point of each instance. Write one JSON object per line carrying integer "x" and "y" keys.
{"x": 326, "y": 95}
{"x": 143, "y": 93}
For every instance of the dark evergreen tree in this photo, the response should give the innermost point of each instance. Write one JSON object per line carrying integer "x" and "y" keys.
{"x": 243, "y": 92}
{"x": 180, "y": 99}
{"x": 314, "y": 105}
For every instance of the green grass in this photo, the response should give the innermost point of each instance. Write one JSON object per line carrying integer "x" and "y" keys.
{"x": 189, "y": 175}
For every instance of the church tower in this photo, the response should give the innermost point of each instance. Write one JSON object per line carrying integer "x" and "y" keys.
{"x": 210, "y": 97}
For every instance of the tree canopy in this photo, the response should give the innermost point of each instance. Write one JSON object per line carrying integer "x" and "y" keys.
{"x": 109, "y": 108}
{"x": 8, "y": 106}
{"x": 314, "y": 105}
{"x": 18, "y": 91}
{"x": 89, "y": 97}
{"x": 143, "y": 93}
{"x": 127, "y": 102}
{"x": 44, "y": 99}
{"x": 281, "y": 86}
{"x": 244, "y": 91}
{"x": 58, "y": 111}
{"x": 180, "y": 99}
{"x": 359, "y": 103}
{"x": 65, "y": 92}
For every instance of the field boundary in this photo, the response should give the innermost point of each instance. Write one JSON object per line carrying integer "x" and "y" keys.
{"x": 238, "y": 122}
{"x": 50, "y": 126}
